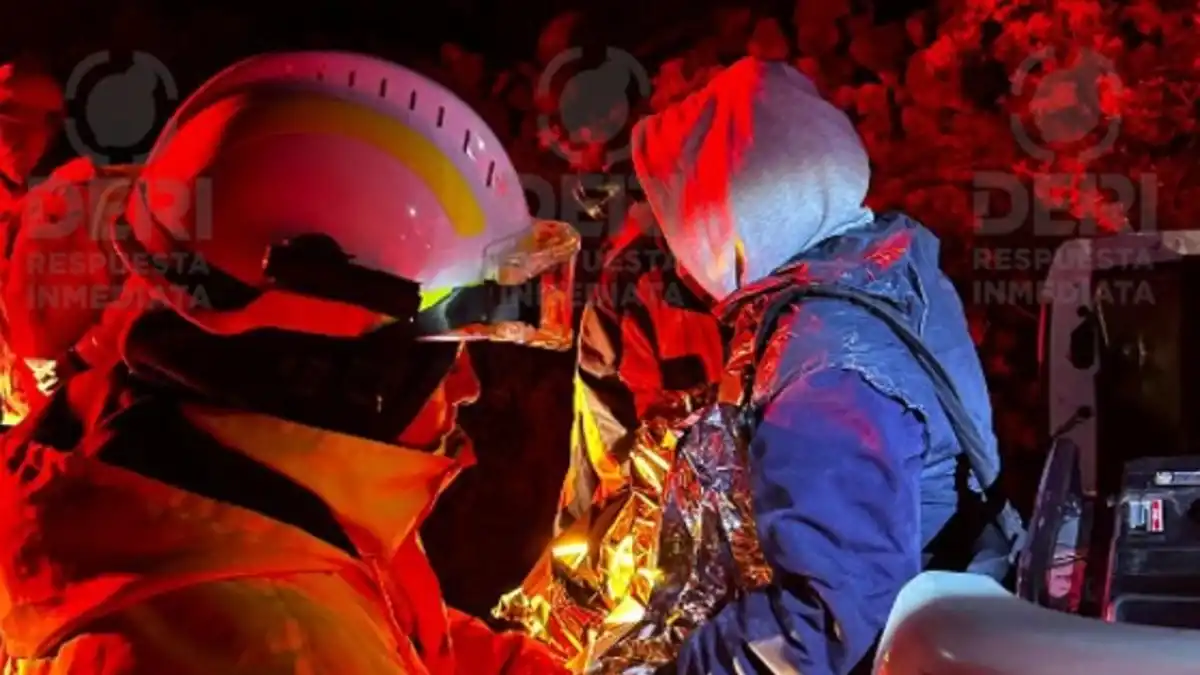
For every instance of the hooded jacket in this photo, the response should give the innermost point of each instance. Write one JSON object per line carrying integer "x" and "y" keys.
{"x": 855, "y": 468}
{"x": 309, "y": 563}
{"x": 648, "y": 339}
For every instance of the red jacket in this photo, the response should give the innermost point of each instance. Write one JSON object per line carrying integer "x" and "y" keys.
{"x": 62, "y": 271}
{"x": 60, "y": 275}
{"x": 105, "y": 570}
{"x": 16, "y": 382}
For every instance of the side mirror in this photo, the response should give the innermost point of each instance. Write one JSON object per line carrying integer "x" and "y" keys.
{"x": 1058, "y": 533}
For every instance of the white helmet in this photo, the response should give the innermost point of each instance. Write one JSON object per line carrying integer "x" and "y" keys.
{"x": 311, "y": 178}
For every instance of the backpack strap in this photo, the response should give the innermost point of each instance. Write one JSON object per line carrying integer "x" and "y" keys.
{"x": 985, "y": 467}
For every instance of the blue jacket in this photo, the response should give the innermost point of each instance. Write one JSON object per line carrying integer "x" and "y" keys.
{"x": 854, "y": 463}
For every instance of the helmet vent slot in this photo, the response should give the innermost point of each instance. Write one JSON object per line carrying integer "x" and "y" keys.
{"x": 383, "y": 85}
{"x": 441, "y": 118}
{"x": 352, "y": 78}
{"x": 412, "y": 100}
{"x": 491, "y": 174}
{"x": 467, "y": 142}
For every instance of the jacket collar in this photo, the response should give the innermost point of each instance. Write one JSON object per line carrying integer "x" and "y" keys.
{"x": 379, "y": 492}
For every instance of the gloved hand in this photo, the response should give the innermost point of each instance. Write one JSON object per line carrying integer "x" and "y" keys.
{"x": 49, "y": 374}
{"x": 45, "y": 374}
{"x": 480, "y": 651}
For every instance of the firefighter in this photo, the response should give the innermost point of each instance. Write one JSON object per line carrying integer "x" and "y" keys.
{"x": 241, "y": 493}
{"x": 648, "y": 347}
{"x": 62, "y": 274}
{"x": 31, "y": 111}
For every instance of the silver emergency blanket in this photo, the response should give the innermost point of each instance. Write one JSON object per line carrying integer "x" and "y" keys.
{"x": 619, "y": 595}
{"x": 709, "y": 549}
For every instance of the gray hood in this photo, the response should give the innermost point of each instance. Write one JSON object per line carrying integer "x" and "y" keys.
{"x": 757, "y": 159}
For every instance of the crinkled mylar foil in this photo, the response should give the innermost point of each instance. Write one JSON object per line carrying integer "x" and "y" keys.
{"x": 14, "y": 400}
{"x": 709, "y": 551}
{"x": 597, "y": 584}
{"x": 661, "y": 560}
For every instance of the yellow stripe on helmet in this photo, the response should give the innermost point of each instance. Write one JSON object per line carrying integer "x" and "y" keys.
{"x": 315, "y": 114}
{"x": 429, "y": 298}
{"x": 433, "y": 296}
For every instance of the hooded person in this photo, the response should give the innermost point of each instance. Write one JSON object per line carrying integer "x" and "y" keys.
{"x": 858, "y": 461}
{"x": 866, "y": 409}
{"x": 241, "y": 493}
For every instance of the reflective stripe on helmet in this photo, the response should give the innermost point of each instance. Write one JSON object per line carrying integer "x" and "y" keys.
{"x": 314, "y": 114}
{"x": 433, "y": 296}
